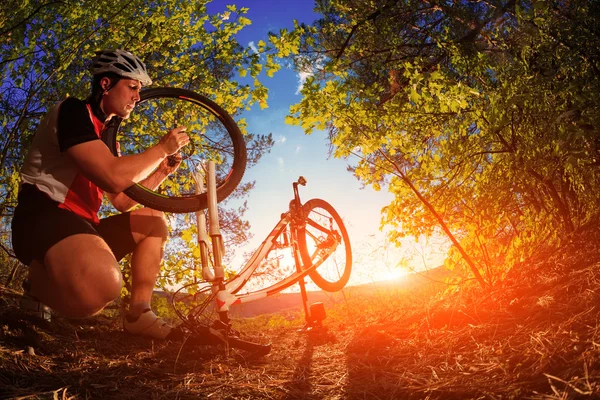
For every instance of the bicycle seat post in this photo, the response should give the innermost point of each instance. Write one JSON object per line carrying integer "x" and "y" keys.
{"x": 301, "y": 181}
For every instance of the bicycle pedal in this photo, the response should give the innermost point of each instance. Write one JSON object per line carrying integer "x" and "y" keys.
{"x": 33, "y": 306}
{"x": 220, "y": 325}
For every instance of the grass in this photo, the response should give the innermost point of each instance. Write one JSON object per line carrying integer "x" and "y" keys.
{"x": 535, "y": 336}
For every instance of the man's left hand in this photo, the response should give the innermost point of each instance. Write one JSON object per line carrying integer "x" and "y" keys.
{"x": 170, "y": 164}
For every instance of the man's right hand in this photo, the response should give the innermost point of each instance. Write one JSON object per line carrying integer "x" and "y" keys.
{"x": 174, "y": 140}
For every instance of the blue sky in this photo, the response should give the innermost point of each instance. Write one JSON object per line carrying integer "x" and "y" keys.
{"x": 296, "y": 154}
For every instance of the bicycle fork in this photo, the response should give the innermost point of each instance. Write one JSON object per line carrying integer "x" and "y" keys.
{"x": 313, "y": 314}
{"x": 203, "y": 240}
{"x": 223, "y": 298}
{"x": 216, "y": 274}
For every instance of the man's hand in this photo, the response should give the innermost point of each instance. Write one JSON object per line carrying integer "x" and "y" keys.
{"x": 174, "y": 140}
{"x": 169, "y": 164}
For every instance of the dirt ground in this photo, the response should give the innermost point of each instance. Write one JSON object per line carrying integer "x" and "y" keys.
{"x": 535, "y": 336}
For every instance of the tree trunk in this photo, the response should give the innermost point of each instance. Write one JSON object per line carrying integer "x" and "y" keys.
{"x": 439, "y": 218}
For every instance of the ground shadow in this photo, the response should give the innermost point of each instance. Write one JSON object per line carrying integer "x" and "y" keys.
{"x": 300, "y": 386}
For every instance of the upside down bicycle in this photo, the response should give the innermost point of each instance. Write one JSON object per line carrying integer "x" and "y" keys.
{"x": 311, "y": 236}
{"x": 310, "y": 239}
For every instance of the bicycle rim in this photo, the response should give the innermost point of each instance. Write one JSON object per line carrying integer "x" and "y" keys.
{"x": 214, "y": 136}
{"x": 324, "y": 241}
{"x": 197, "y": 308}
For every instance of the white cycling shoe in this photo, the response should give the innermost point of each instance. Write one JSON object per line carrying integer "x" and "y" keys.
{"x": 147, "y": 324}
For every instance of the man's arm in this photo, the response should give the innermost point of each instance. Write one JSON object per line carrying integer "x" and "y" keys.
{"x": 124, "y": 203}
{"x": 115, "y": 174}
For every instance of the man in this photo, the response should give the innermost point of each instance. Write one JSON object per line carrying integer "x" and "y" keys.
{"x": 72, "y": 255}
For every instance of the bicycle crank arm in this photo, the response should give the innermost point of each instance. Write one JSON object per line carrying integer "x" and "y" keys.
{"x": 256, "y": 350}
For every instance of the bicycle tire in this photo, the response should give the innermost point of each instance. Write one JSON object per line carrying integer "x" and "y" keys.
{"x": 191, "y": 202}
{"x": 327, "y": 277}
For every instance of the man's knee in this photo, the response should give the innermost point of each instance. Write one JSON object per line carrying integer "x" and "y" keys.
{"x": 114, "y": 285}
{"x": 150, "y": 223}
{"x": 83, "y": 276}
{"x": 161, "y": 225}
{"x": 92, "y": 298}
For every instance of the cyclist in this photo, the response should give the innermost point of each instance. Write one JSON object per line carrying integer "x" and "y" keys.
{"x": 72, "y": 254}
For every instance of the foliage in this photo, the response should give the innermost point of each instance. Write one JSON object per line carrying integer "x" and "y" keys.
{"x": 480, "y": 117}
{"x": 44, "y": 48}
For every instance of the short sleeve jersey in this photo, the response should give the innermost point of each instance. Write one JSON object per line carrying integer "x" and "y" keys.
{"x": 52, "y": 171}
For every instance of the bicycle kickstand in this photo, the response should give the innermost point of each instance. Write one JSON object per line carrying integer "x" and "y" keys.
{"x": 313, "y": 314}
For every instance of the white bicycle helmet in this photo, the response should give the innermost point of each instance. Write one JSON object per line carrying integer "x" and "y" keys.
{"x": 122, "y": 63}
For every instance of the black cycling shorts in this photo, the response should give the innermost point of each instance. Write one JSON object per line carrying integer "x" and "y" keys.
{"x": 38, "y": 224}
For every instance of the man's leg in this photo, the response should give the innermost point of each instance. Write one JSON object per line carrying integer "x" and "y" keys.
{"x": 143, "y": 233}
{"x": 149, "y": 230}
{"x": 79, "y": 277}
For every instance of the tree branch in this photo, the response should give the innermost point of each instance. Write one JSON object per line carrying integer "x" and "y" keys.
{"x": 371, "y": 17}
{"x": 2, "y": 33}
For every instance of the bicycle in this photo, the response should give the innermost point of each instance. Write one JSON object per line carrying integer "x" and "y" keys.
{"x": 312, "y": 232}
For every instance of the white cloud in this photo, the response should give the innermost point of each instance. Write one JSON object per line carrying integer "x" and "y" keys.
{"x": 280, "y": 163}
{"x": 302, "y": 76}
{"x": 281, "y": 139}
{"x": 306, "y": 70}
{"x": 253, "y": 47}
{"x": 298, "y": 149}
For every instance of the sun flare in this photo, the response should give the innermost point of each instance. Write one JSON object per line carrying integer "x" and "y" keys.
{"x": 390, "y": 275}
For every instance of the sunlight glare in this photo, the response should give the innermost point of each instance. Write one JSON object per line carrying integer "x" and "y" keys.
{"x": 390, "y": 275}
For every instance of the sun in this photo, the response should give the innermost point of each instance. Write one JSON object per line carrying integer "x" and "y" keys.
{"x": 391, "y": 274}
{"x": 376, "y": 271}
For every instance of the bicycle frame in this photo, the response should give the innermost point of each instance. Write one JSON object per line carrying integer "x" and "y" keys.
{"x": 227, "y": 292}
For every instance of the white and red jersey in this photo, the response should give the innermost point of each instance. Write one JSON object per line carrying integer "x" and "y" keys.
{"x": 52, "y": 171}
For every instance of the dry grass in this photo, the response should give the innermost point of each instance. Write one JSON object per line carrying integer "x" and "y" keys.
{"x": 535, "y": 337}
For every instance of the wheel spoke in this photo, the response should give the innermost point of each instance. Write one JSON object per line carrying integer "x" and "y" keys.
{"x": 324, "y": 243}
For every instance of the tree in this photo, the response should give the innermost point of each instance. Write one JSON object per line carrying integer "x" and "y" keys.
{"x": 44, "y": 45}
{"x": 480, "y": 117}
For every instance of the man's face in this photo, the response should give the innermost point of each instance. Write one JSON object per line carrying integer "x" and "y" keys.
{"x": 121, "y": 98}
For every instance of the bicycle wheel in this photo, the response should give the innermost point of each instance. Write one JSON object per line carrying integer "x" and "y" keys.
{"x": 324, "y": 241}
{"x": 213, "y": 135}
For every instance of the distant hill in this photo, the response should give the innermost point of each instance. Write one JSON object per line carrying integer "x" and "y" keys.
{"x": 292, "y": 302}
